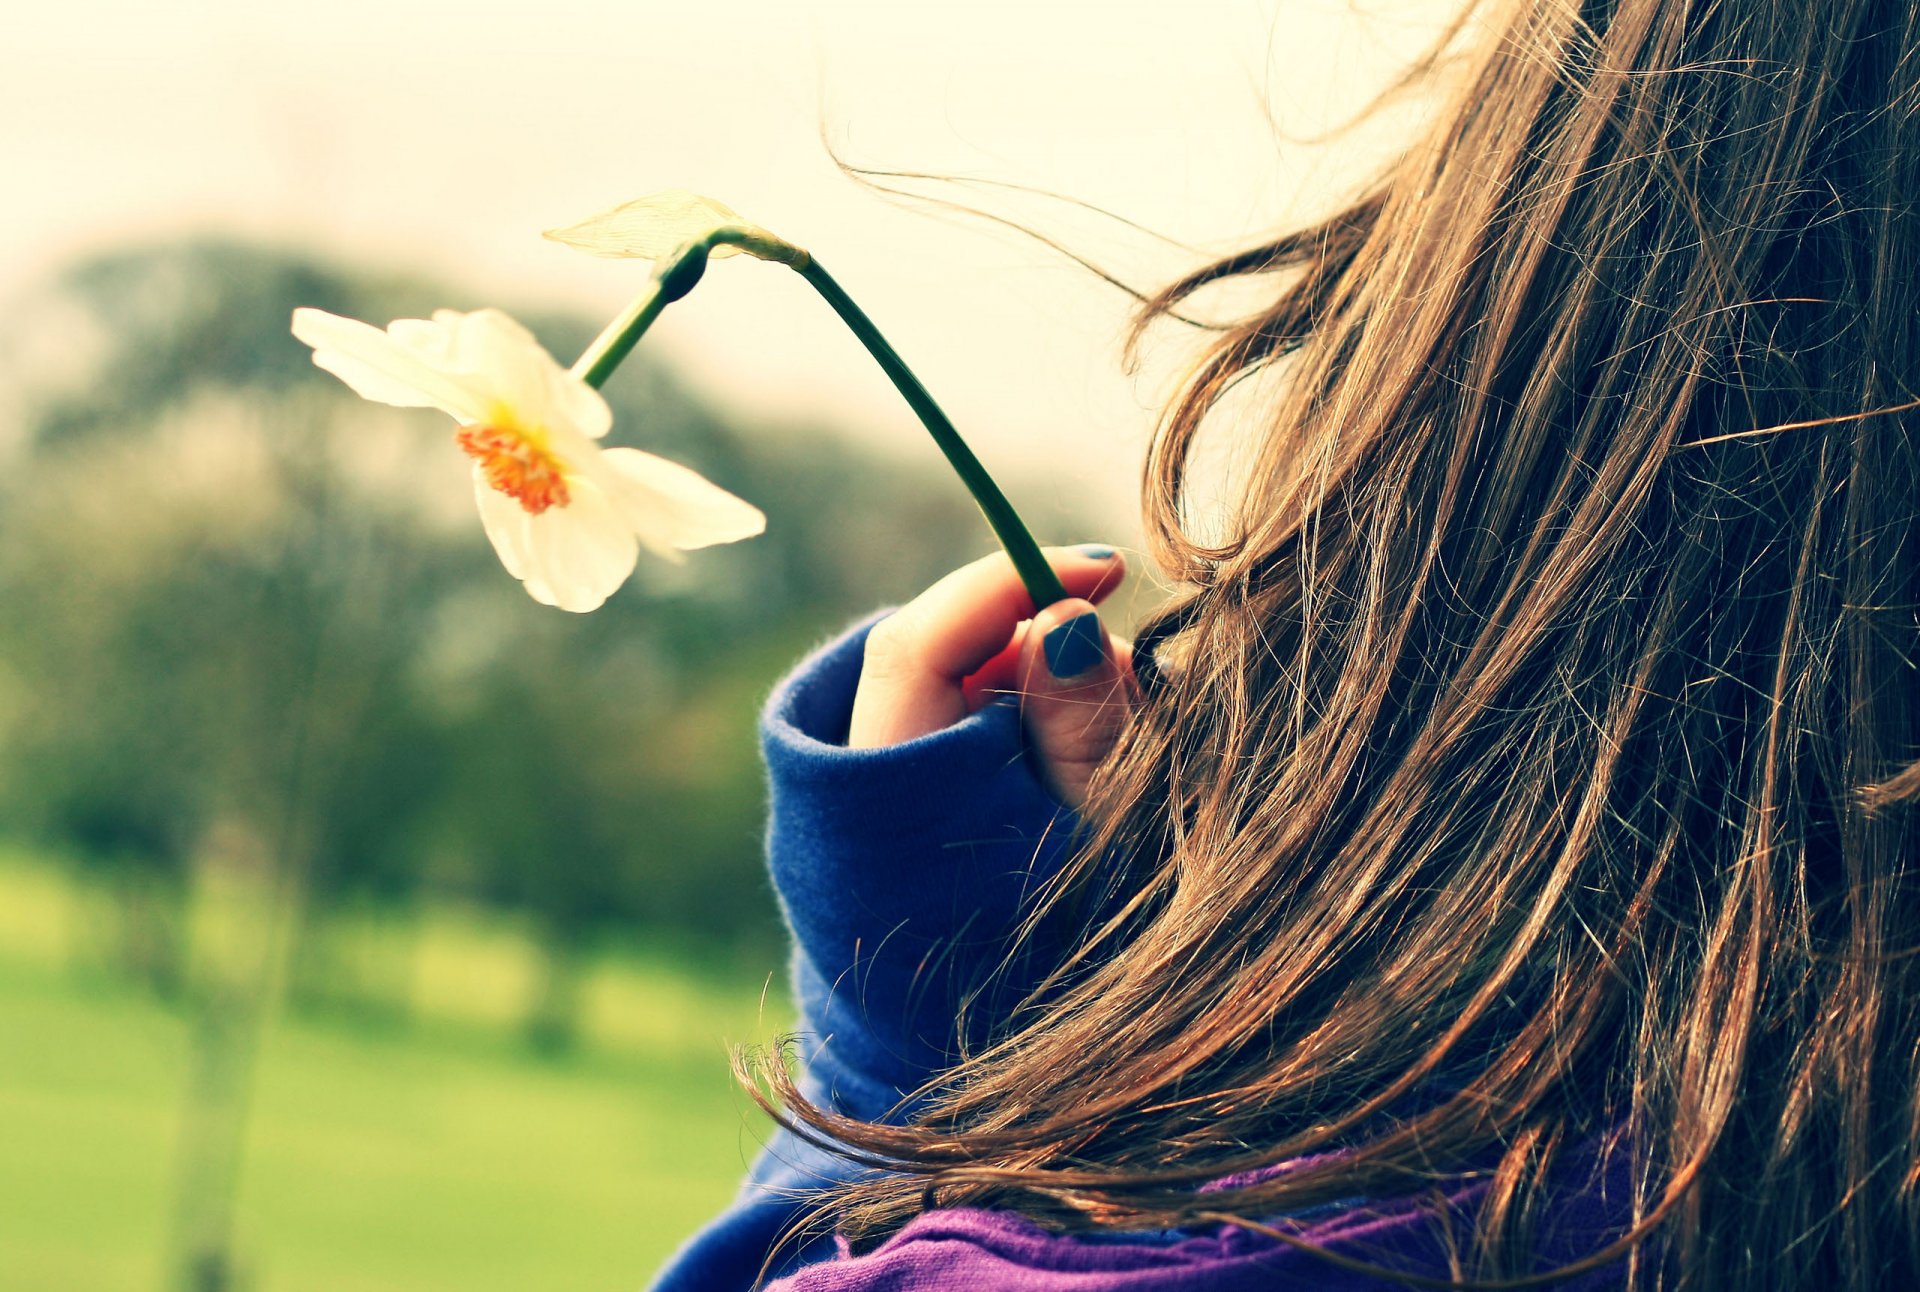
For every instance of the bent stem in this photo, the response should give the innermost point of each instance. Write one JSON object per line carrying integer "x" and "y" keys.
{"x": 597, "y": 362}
{"x": 1041, "y": 582}
{"x": 675, "y": 275}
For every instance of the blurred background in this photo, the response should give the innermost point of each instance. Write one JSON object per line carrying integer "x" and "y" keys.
{"x": 365, "y": 926}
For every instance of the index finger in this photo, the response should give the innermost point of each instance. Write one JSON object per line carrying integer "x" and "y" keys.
{"x": 918, "y": 657}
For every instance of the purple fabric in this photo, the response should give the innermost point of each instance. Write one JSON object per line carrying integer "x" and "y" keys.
{"x": 964, "y": 1250}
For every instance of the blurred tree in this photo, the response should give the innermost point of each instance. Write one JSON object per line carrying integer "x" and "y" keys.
{"x": 237, "y": 592}
{"x": 258, "y": 653}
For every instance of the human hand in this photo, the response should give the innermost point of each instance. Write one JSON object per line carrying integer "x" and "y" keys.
{"x": 974, "y": 636}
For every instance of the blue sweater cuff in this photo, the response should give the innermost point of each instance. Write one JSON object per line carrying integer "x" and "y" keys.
{"x": 904, "y": 872}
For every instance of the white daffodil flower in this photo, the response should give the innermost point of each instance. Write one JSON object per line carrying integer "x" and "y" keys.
{"x": 567, "y": 517}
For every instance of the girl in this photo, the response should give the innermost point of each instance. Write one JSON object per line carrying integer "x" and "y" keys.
{"x": 1497, "y": 867}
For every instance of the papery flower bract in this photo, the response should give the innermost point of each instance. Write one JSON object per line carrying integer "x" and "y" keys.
{"x": 650, "y": 227}
{"x": 655, "y": 226}
{"x": 567, "y": 517}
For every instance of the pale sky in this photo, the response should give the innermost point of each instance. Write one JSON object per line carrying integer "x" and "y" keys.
{"x": 445, "y": 136}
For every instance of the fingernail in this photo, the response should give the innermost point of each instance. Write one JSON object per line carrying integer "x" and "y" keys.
{"x": 1098, "y": 551}
{"x": 1075, "y": 646}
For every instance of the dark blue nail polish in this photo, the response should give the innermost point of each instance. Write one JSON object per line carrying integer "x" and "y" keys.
{"x": 1098, "y": 551}
{"x": 1075, "y": 646}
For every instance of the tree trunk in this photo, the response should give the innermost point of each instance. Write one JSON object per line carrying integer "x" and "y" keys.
{"x": 552, "y": 1024}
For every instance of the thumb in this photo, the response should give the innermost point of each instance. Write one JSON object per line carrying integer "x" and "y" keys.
{"x": 1076, "y": 690}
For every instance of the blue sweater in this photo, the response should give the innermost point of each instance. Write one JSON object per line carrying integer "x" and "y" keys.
{"x": 902, "y": 873}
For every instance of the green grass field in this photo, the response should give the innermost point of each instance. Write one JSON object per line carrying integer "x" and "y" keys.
{"x": 436, "y": 1156}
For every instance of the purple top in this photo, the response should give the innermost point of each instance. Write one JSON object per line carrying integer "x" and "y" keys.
{"x": 966, "y": 1249}
{"x": 902, "y": 873}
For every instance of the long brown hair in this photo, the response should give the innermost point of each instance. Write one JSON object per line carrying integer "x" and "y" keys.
{"x": 1531, "y": 763}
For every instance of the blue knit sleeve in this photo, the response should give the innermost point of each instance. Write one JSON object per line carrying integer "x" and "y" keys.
{"x": 903, "y": 873}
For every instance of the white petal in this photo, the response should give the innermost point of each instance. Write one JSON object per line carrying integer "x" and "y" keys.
{"x": 490, "y": 343}
{"x": 578, "y": 554}
{"x": 671, "y": 506}
{"x": 387, "y": 368}
{"x": 432, "y": 340}
{"x": 524, "y": 377}
{"x": 505, "y": 521}
{"x": 578, "y": 405}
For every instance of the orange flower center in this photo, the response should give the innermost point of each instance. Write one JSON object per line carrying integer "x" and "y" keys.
{"x": 516, "y": 466}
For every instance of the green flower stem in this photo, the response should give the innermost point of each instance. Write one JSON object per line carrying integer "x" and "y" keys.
{"x": 676, "y": 275}
{"x": 619, "y": 337}
{"x": 1043, "y": 585}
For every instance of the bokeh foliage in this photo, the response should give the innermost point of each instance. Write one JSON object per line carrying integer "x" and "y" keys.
{"x": 251, "y": 624}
